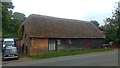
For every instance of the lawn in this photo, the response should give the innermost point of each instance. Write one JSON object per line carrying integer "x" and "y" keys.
{"x": 66, "y": 53}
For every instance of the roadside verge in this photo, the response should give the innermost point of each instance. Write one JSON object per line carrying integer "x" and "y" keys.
{"x": 66, "y": 53}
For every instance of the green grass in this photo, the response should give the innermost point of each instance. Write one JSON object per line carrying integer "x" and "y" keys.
{"x": 49, "y": 55}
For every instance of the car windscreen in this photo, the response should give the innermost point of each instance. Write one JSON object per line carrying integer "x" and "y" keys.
{"x": 11, "y": 51}
{"x": 8, "y": 45}
{"x": 8, "y": 42}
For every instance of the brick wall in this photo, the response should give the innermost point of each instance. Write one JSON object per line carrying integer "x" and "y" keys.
{"x": 18, "y": 44}
{"x": 96, "y": 43}
{"x": 39, "y": 46}
{"x": 24, "y": 43}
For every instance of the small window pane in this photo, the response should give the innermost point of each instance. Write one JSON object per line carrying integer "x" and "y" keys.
{"x": 58, "y": 41}
{"x": 32, "y": 42}
{"x": 68, "y": 41}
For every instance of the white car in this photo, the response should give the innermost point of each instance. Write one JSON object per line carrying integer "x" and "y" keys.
{"x": 7, "y": 41}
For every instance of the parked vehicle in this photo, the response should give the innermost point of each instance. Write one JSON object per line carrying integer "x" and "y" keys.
{"x": 8, "y": 41}
{"x": 9, "y": 53}
{"x": 10, "y": 45}
{"x": 111, "y": 44}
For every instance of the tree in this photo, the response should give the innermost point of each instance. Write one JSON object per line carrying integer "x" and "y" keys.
{"x": 0, "y": 20}
{"x": 6, "y": 18}
{"x": 11, "y": 22}
{"x": 95, "y": 22}
{"x": 19, "y": 16}
{"x": 17, "y": 20}
{"x": 113, "y": 26}
{"x": 111, "y": 34}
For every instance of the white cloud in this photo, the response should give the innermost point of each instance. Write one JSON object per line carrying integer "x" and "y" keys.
{"x": 75, "y": 9}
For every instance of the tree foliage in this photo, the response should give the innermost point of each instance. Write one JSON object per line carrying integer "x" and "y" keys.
{"x": 11, "y": 21}
{"x": 6, "y": 17}
{"x": 112, "y": 26}
{"x": 19, "y": 16}
{"x": 95, "y": 22}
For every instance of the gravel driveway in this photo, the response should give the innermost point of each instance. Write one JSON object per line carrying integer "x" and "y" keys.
{"x": 21, "y": 59}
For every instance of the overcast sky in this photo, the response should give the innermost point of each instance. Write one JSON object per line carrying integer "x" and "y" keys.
{"x": 72, "y": 9}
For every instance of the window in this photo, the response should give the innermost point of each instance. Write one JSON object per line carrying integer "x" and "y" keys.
{"x": 32, "y": 42}
{"x": 8, "y": 42}
{"x": 11, "y": 51}
{"x": 68, "y": 41}
{"x": 58, "y": 41}
{"x": 52, "y": 45}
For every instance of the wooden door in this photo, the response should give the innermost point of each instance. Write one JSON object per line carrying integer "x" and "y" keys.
{"x": 87, "y": 44}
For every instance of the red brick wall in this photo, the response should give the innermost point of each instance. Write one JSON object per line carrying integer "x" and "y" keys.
{"x": 39, "y": 46}
{"x": 18, "y": 44}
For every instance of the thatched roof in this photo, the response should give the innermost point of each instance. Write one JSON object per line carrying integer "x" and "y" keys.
{"x": 50, "y": 27}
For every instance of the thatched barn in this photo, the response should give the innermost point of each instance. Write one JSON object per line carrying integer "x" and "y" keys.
{"x": 43, "y": 34}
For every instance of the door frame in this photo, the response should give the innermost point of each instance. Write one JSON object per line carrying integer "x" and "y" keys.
{"x": 55, "y": 43}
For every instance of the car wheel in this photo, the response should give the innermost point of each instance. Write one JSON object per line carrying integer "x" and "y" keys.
{"x": 3, "y": 59}
{"x": 17, "y": 58}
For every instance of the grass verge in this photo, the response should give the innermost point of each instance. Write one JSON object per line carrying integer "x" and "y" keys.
{"x": 49, "y": 55}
